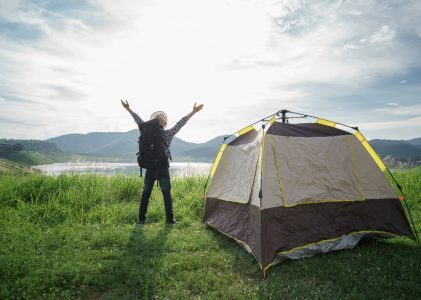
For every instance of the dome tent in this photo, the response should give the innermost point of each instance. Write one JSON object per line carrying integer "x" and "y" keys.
{"x": 288, "y": 191}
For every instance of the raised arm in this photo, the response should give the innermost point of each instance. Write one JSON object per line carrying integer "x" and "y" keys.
{"x": 135, "y": 116}
{"x": 171, "y": 132}
{"x": 196, "y": 108}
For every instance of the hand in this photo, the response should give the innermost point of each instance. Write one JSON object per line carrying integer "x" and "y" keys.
{"x": 197, "y": 108}
{"x": 125, "y": 104}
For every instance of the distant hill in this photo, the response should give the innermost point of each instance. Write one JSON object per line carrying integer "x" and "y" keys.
{"x": 33, "y": 145}
{"x": 400, "y": 149}
{"x": 98, "y": 142}
{"x": 415, "y": 142}
{"x": 123, "y": 146}
{"x": 125, "y": 143}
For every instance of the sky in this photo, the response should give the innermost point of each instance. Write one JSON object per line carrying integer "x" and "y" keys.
{"x": 65, "y": 65}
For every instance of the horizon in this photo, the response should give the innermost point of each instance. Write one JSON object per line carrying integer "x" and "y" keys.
{"x": 212, "y": 138}
{"x": 65, "y": 66}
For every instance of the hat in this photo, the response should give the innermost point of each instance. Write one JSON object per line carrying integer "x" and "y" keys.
{"x": 161, "y": 116}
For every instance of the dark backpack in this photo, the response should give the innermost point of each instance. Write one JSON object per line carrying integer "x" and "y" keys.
{"x": 151, "y": 153}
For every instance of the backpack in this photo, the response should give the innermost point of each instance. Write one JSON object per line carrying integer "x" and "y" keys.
{"x": 151, "y": 153}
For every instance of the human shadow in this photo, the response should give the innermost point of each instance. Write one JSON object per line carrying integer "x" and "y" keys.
{"x": 134, "y": 274}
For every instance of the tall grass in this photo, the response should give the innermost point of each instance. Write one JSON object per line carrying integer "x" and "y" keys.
{"x": 410, "y": 181}
{"x": 73, "y": 236}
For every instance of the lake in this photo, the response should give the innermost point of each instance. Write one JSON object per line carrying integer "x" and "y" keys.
{"x": 178, "y": 169}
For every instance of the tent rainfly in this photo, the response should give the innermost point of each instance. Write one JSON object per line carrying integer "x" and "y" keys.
{"x": 288, "y": 191}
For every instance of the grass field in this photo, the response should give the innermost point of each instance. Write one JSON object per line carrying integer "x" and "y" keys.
{"x": 74, "y": 237}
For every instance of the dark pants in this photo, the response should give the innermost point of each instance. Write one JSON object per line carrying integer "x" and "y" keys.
{"x": 163, "y": 177}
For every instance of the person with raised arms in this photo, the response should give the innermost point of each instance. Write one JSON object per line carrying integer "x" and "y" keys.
{"x": 154, "y": 154}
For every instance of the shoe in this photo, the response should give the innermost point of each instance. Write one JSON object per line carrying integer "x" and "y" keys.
{"x": 172, "y": 222}
{"x": 140, "y": 223}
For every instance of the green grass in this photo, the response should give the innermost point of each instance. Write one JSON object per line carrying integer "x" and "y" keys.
{"x": 74, "y": 237}
{"x": 12, "y": 168}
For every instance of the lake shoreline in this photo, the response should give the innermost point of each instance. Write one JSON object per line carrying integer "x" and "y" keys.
{"x": 178, "y": 169}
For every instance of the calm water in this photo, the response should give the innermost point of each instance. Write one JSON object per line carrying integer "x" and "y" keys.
{"x": 179, "y": 169}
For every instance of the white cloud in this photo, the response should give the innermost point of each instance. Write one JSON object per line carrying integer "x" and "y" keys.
{"x": 384, "y": 34}
{"x": 243, "y": 59}
{"x": 399, "y": 110}
{"x": 385, "y": 125}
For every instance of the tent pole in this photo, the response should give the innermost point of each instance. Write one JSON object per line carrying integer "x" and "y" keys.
{"x": 304, "y": 115}
{"x": 261, "y": 120}
{"x": 284, "y": 112}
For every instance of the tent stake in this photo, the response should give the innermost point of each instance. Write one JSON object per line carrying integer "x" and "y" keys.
{"x": 263, "y": 273}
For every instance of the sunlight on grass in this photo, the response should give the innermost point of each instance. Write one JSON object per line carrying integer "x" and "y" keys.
{"x": 73, "y": 236}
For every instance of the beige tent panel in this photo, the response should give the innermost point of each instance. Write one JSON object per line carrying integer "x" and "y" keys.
{"x": 373, "y": 181}
{"x": 254, "y": 198}
{"x": 310, "y": 170}
{"x": 234, "y": 176}
{"x": 271, "y": 186}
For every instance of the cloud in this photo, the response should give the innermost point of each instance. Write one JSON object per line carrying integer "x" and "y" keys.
{"x": 385, "y": 125}
{"x": 14, "y": 122}
{"x": 385, "y": 34}
{"x": 64, "y": 92}
{"x": 244, "y": 59}
{"x": 400, "y": 110}
{"x": 20, "y": 31}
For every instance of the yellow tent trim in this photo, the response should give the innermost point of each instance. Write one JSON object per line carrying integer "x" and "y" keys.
{"x": 325, "y": 122}
{"x": 370, "y": 150}
{"x": 272, "y": 120}
{"x": 218, "y": 158}
{"x": 245, "y": 130}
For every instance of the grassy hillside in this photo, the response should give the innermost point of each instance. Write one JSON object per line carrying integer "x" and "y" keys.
{"x": 74, "y": 237}
{"x": 31, "y": 158}
{"x": 9, "y": 167}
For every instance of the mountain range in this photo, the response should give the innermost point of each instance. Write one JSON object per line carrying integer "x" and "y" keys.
{"x": 401, "y": 149}
{"x": 125, "y": 146}
{"x": 125, "y": 143}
